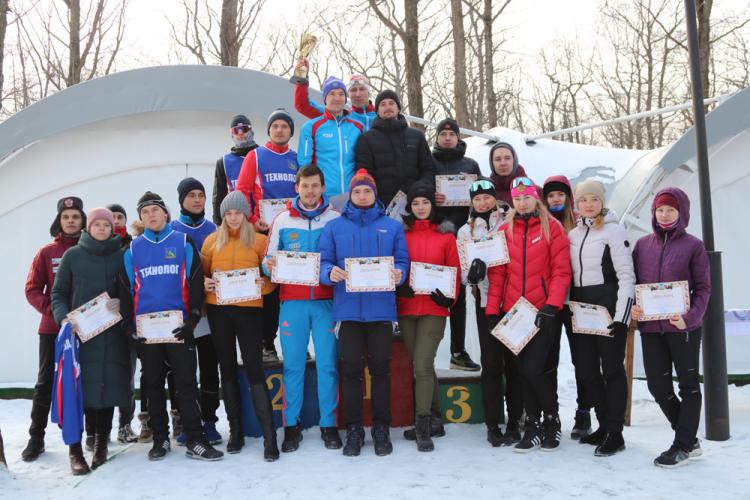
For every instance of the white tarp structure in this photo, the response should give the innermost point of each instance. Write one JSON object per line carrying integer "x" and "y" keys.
{"x": 110, "y": 139}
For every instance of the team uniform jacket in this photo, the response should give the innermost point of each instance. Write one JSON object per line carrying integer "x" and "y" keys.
{"x": 198, "y": 233}
{"x": 67, "y": 392}
{"x": 225, "y": 176}
{"x": 311, "y": 109}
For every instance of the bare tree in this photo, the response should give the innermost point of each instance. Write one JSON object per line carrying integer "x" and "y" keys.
{"x": 459, "y": 62}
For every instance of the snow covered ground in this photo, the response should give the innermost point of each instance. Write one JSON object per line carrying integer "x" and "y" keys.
{"x": 462, "y": 466}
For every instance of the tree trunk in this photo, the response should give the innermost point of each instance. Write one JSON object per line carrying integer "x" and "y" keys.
{"x": 74, "y": 59}
{"x": 704, "y": 43}
{"x": 411, "y": 58}
{"x": 489, "y": 70}
{"x": 4, "y": 8}
{"x": 230, "y": 54}
{"x": 459, "y": 64}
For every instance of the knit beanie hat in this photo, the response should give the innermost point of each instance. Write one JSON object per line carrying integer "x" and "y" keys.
{"x": 448, "y": 124}
{"x": 333, "y": 83}
{"x": 150, "y": 198}
{"x": 186, "y": 185}
{"x": 482, "y": 185}
{"x": 358, "y": 79}
{"x": 590, "y": 186}
{"x": 363, "y": 178}
{"x": 280, "y": 114}
{"x": 420, "y": 189}
{"x": 555, "y": 185}
{"x": 99, "y": 213}
{"x": 116, "y": 208}
{"x": 523, "y": 186}
{"x": 240, "y": 120}
{"x": 667, "y": 199}
{"x": 387, "y": 94}
{"x": 235, "y": 201}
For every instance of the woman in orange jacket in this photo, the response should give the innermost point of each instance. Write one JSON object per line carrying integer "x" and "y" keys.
{"x": 235, "y": 245}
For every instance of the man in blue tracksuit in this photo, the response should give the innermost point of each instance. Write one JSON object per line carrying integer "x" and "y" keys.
{"x": 192, "y": 221}
{"x": 306, "y": 309}
{"x": 329, "y": 141}
{"x": 365, "y": 318}
{"x": 163, "y": 273}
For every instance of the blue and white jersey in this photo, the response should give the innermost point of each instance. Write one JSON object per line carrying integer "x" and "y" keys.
{"x": 232, "y": 167}
{"x": 197, "y": 233}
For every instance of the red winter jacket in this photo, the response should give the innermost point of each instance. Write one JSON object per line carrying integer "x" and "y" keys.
{"x": 539, "y": 270}
{"x": 42, "y": 277}
{"x": 430, "y": 244}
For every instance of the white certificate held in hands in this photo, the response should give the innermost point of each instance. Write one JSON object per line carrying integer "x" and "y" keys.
{"x": 157, "y": 327}
{"x": 590, "y": 319}
{"x": 93, "y": 317}
{"x": 425, "y": 278}
{"x": 455, "y": 188}
{"x": 239, "y": 285}
{"x": 269, "y": 209}
{"x": 397, "y": 207}
{"x": 296, "y": 268}
{"x": 369, "y": 274}
{"x": 491, "y": 249}
{"x": 663, "y": 300}
{"x": 517, "y": 327}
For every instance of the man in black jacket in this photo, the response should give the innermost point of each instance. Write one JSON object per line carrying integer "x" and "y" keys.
{"x": 228, "y": 166}
{"x": 395, "y": 154}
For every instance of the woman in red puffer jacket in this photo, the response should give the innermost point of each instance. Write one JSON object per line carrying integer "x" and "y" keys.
{"x": 539, "y": 271}
{"x": 422, "y": 318}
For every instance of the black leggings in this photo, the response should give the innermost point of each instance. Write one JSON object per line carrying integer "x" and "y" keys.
{"x": 99, "y": 419}
{"x": 458, "y": 322}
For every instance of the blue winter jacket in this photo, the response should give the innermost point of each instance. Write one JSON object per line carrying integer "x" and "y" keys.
{"x": 360, "y": 232}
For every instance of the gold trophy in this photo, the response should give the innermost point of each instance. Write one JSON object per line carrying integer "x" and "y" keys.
{"x": 306, "y": 46}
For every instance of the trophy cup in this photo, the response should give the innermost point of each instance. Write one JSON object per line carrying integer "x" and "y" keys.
{"x": 306, "y": 46}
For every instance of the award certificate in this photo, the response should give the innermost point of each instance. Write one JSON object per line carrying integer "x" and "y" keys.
{"x": 663, "y": 300}
{"x": 369, "y": 274}
{"x": 93, "y": 317}
{"x": 397, "y": 207}
{"x": 455, "y": 188}
{"x": 492, "y": 249}
{"x": 269, "y": 209}
{"x": 425, "y": 278}
{"x": 517, "y": 327}
{"x": 239, "y": 285}
{"x": 296, "y": 268}
{"x": 157, "y": 327}
{"x": 590, "y": 319}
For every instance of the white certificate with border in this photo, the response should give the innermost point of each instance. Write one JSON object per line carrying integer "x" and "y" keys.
{"x": 491, "y": 249}
{"x": 590, "y": 319}
{"x": 397, "y": 207}
{"x": 296, "y": 268}
{"x": 157, "y": 327}
{"x": 425, "y": 278}
{"x": 517, "y": 327}
{"x": 93, "y": 317}
{"x": 239, "y": 285}
{"x": 455, "y": 188}
{"x": 269, "y": 209}
{"x": 663, "y": 300}
{"x": 369, "y": 274}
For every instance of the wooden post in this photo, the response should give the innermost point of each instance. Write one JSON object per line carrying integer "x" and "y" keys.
{"x": 629, "y": 352}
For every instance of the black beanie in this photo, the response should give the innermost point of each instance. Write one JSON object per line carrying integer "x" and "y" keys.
{"x": 557, "y": 186}
{"x": 280, "y": 114}
{"x": 67, "y": 203}
{"x": 150, "y": 198}
{"x": 241, "y": 120}
{"x": 186, "y": 185}
{"x": 482, "y": 185}
{"x": 448, "y": 124}
{"x": 420, "y": 189}
{"x": 387, "y": 94}
{"x": 116, "y": 208}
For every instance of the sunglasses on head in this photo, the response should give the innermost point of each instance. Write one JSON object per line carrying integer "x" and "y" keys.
{"x": 481, "y": 184}
{"x": 522, "y": 181}
{"x": 240, "y": 129}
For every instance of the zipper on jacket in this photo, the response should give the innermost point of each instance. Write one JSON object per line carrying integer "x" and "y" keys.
{"x": 523, "y": 275}
{"x": 341, "y": 156}
{"x": 309, "y": 246}
{"x": 580, "y": 254}
{"x": 544, "y": 287}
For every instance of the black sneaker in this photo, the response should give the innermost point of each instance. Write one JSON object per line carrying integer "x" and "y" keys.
{"x": 381, "y": 437}
{"x": 696, "y": 451}
{"x": 89, "y": 442}
{"x": 673, "y": 457}
{"x": 582, "y": 425}
{"x": 462, "y": 361}
{"x": 355, "y": 439}
{"x": 34, "y": 448}
{"x": 551, "y": 433}
{"x": 270, "y": 355}
{"x": 613, "y": 443}
{"x": 512, "y": 434}
{"x": 159, "y": 449}
{"x": 292, "y": 439}
{"x": 495, "y": 436}
{"x": 331, "y": 438}
{"x": 437, "y": 429}
{"x": 595, "y": 438}
{"x": 532, "y": 438}
{"x": 201, "y": 450}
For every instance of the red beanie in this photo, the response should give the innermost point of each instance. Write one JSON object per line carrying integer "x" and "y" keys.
{"x": 363, "y": 178}
{"x": 666, "y": 199}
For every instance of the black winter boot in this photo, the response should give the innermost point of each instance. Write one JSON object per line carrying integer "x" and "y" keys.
{"x": 34, "y": 448}
{"x": 595, "y": 438}
{"x": 613, "y": 443}
{"x": 100, "y": 450}
{"x": 331, "y": 438}
{"x": 355, "y": 440}
{"x": 78, "y": 465}
{"x": 512, "y": 433}
{"x": 424, "y": 441}
{"x": 381, "y": 437}
{"x": 236, "y": 440}
{"x": 495, "y": 436}
{"x": 582, "y": 425}
{"x": 437, "y": 429}
{"x": 292, "y": 438}
{"x": 264, "y": 413}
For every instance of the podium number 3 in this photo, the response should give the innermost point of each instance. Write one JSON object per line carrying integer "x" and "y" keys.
{"x": 459, "y": 396}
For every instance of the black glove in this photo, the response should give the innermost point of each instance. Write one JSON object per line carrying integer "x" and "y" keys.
{"x": 135, "y": 339}
{"x": 477, "y": 271}
{"x": 492, "y": 321}
{"x": 185, "y": 332}
{"x": 545, "y": 316}
{"x": 617, "y": 328}
{"x": 405, "y": 291}
{"x": 440, "y": 299}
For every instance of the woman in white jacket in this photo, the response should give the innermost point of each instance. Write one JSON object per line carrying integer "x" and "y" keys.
{"x": 497, "y": 361}
{"x": 603, "y": 274}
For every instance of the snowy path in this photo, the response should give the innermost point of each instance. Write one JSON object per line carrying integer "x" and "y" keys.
{"x": 463, "y": 465}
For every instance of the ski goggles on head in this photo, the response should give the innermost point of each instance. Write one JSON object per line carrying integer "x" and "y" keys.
{"x": 523, "y": 186}
{"x": 522, "y": 181}
{"x": 241, "y": 129}
{"x": 480, "y": 185}
{"x": 358, "y": 80}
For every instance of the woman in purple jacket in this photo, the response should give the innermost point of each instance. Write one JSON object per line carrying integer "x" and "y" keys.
{"x": 671, "y": 254}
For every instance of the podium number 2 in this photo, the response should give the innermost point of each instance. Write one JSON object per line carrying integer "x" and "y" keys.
{"x": 276, "y": 403}
{"x": 459, "y": 396}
